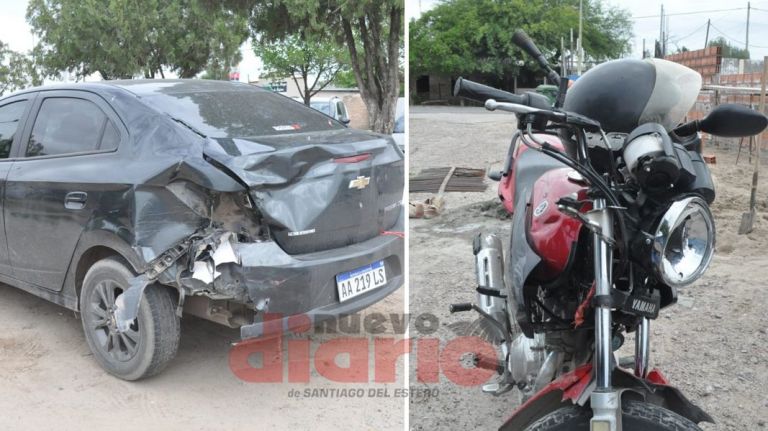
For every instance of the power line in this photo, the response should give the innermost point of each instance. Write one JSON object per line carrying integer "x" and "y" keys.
{"x": 734, "y": 39}
{"x": 678, "y": 39}
{"x": 693, "y": 12}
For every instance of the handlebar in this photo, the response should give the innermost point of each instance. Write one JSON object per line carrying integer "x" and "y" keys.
{"x": 481, "y": 93}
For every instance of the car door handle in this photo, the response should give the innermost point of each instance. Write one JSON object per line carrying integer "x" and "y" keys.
{"x": 75, "y": 200}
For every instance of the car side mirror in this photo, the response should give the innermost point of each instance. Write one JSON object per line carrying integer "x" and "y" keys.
{"x": 733, "y": 121}
{"x": 344, "y": 120}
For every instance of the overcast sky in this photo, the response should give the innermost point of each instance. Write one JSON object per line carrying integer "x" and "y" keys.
{"x": 685, "y": 30}
{"x": 15, "y": 31}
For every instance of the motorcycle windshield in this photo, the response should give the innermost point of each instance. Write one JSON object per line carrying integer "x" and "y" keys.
{"x": 623, "y": 94}
{"x": 674, "y": 93}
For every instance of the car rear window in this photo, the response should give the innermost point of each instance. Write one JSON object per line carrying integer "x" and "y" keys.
{"x": 67, "y": 125}
{"x": 10, "y": 115}
{"x": 241, "y": 113}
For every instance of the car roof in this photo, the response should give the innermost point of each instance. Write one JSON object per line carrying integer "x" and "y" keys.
{"x": 148, "y": 87}
{"x": 324, "y": 99}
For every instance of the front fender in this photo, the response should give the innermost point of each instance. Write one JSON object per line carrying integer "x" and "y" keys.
{"x": 576, "y": 387}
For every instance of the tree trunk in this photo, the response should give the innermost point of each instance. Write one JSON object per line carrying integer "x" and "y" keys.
{"x": 376, "y": 70}
{"x": 382, "y": 119}
{"x": 307, "y": 95}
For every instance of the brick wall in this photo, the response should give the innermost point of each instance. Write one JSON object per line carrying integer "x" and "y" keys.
{"x": 358, "y": 113}
{"x": 705, "y": 61}
{"x": 708, "y": 63}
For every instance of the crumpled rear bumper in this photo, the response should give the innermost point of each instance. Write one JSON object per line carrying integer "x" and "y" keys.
{"x": 306, "y": 284}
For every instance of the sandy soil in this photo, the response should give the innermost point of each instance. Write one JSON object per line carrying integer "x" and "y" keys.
{"x": 712, "y": 344}
{"x": 49, "y": 380}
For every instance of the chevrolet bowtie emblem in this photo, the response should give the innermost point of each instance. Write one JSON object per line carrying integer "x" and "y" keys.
{"x": 360, "y": 183}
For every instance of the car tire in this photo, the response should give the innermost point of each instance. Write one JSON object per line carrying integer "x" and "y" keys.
{"x": 152, "y": 339}
{"x": 637, "y": 416}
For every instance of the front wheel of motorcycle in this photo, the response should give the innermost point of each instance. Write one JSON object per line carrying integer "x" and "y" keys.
{"x": 637, "y": 416}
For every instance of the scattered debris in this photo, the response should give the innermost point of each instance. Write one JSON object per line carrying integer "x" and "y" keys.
{"x": 433, "y": 206}
{"x": 429, "y": 208}
{"x": 454, "y": 180}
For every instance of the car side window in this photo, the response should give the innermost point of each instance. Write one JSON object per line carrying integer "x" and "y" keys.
{"x": 10, "y": 115}
{"x": 67, "y": 125}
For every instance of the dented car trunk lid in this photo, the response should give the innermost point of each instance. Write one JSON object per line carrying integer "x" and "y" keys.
{"x": 317, "y": 184}
{"x": 317, "y": 190}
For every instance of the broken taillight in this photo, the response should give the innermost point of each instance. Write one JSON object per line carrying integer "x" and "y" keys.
{"x": 353, "y": 159}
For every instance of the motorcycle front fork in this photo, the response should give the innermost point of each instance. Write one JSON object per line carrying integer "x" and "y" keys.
{"x": 606, "y": 400}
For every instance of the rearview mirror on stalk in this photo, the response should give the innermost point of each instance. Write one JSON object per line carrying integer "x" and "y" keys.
{"x": 524, "y": 42}
{"x": 727, "y": 120}
{"x": 733, "y": 121}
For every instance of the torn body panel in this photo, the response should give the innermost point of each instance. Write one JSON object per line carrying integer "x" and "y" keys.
{"x": 265, "y": 277}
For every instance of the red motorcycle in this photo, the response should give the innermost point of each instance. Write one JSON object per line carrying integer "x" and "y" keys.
{"x": 609, "y": 197}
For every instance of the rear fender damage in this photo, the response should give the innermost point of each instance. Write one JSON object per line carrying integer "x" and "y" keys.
{"x": 190, "y": 215}
{"x": 196, "y": 264}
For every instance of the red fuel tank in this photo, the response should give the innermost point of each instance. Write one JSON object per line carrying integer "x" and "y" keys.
{"x": 551, "y": 233}
{"x": 507, "y": 184}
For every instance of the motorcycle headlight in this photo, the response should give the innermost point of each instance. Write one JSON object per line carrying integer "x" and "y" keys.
{"x": 684, "y": 242}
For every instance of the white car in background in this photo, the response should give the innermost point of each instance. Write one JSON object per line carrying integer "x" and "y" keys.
{"x": 333, "y": 107}
{"x": 398, "y": 134}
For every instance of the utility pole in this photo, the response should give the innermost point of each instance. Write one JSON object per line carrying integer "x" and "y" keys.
{"x": 570, "y": 57}
{"x": 643, "y": 56}
{"x": 666, "y": 33}
{"x": 562, "y": 57}
{"x": 706, "y": 39}
{"x": 749, "y": 6}
{"x": 661, "y": 32}
{"x": 579, "y": 49}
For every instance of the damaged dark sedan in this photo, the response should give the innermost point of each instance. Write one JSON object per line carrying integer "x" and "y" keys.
{"x": 134, "y": 202}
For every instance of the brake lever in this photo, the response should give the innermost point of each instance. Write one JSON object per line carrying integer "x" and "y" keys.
{"x": 568, "y": 118}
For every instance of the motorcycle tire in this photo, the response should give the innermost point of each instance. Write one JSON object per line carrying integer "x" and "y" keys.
{"x": 637, "y": 416}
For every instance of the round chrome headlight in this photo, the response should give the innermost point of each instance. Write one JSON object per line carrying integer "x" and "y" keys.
{"x": 684, "y": 242}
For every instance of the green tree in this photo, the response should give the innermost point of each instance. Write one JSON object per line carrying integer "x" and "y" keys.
{"x": 221, "y": 65}
{"x": 371, "y": 30}
{"x": 475, "y": 36}
{"x": 727, "y": 50}
{"x": 17, "y": 71}
{"x": 124, "y": 38}
{"x": 314, "y": 60}
{"x": 345, "y": 79}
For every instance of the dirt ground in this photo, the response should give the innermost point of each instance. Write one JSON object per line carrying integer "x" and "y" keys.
{"x": 713, "y": 344}
{"x": 49, "y": 380}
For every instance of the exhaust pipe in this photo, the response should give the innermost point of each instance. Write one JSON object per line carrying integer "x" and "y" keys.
{"x": 489, "y": 269}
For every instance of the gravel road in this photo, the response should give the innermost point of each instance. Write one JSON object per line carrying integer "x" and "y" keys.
{"x": 49, "y": 380}
{"x": 713, "y": 344}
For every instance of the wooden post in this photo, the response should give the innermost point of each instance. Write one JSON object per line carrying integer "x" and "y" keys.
{"x": 758, "y": 138}
{"x": 747, "y": 219}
